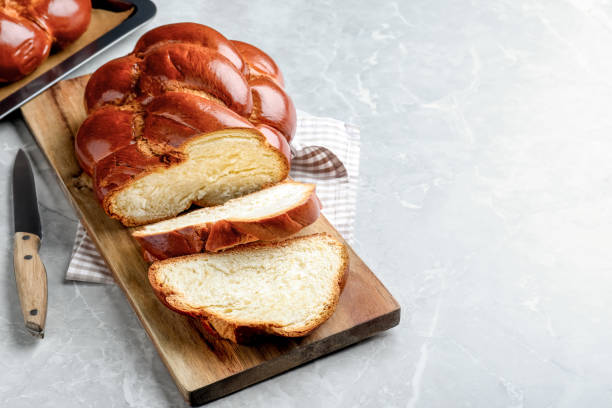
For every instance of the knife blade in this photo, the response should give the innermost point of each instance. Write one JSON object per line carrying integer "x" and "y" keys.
{"x": 30, "y": 273}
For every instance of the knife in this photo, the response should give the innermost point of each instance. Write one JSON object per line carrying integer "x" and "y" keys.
{"x": 30, "y": 272}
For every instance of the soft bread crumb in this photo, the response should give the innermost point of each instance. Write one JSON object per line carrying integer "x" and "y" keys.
{"x": 220, "y": 166}
{"x": 287, "y": 287}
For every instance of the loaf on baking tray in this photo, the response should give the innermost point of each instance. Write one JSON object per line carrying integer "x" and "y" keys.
{"x": 30, "y": 28}
{"x": 189, "y": 117}
{"x": 287, "y": 288}
{"x": 273, "y": 213}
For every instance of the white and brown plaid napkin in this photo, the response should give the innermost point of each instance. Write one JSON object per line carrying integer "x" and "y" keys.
{"x": 325, "y": 152}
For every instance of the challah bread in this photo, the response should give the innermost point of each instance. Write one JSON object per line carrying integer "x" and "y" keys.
{"x": 184, "y": 119}
{"x": 273, "y": 213}
{"x": 30, "y": 28}
{"x": 287, "y": 288}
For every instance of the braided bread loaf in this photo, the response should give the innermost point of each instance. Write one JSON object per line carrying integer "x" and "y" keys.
{"x": 29, "y": 28}
{"x": 189, "y": 117}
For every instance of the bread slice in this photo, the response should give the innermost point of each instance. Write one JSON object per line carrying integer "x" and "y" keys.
{"x": 285, "y": 288}
{"x": 269, "y": 214}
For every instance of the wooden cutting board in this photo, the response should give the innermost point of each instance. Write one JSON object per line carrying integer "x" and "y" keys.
{"x": 203, "y": 368}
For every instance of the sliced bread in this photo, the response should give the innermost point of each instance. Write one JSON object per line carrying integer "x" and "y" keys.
{"x": 269, "y": 214}
{"x": 286, "y": 288}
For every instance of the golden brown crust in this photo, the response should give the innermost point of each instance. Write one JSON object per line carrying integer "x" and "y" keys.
{"x": 259, "y": 63}
{"x": 246, "y": 331}
{"x": 66, "y": 20}
{"x": 190, "y": 33}
{"x": 223, "y": 234}
{"x": 172, "y": 67}
{"x": 114, "y": 83}
{"x": 272, "y": 106}
{"x": 175, "y": 117}
{"x": 276, "y": 139}
{"x": 31, "y": 27}
{"x": 110, "y": 119}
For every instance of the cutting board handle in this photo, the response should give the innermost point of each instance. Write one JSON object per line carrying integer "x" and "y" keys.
{"x": 31, "y": 278}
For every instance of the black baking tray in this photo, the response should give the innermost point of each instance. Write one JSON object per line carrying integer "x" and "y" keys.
{"x": 144, "y": 10}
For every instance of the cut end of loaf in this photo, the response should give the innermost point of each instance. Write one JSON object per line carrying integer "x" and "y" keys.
{"x": 218, "y": 166}
{"x": 286, "y": 288}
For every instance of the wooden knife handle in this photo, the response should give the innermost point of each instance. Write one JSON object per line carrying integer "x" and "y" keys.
{"x": 31, "y": 278}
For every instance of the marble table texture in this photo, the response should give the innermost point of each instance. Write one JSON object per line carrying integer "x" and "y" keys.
{"x": 485, "y": 206}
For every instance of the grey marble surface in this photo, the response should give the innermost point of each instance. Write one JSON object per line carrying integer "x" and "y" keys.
{"x": 484, "y": 205}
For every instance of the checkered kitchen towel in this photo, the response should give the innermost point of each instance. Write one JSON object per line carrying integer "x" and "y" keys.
{"x": 325, "y": 152}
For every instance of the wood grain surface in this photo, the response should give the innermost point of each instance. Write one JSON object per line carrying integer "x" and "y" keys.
{"x": 203, "y": 368}
{"x": 31, "y": 279}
